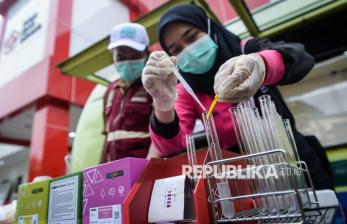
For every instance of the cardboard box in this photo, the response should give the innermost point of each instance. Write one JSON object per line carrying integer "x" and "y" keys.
{"x": 106, "y": 186}
{"x": 171, "y": 200}
{"x": 32, "y": 203}
{"x": 65, "y": 200}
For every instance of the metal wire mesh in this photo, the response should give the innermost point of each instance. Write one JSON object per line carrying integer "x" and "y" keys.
{"x": 248, "y": 201}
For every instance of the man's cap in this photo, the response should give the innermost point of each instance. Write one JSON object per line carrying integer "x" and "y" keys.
{"x": 132, "y": 35}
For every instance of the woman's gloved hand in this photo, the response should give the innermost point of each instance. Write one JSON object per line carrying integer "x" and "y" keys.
{"x": 239, "y": 78}
{"x": 159, "y": 81}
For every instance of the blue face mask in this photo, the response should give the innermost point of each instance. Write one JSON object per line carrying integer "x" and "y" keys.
{"x": 199, "y": 57}
{"x": 130, "y": 70}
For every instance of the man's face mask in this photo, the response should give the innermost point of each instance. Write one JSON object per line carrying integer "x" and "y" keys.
{"x": 130, "y": 70}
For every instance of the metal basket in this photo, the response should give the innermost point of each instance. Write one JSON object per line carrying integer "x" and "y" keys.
{"x": 290, "y": 201}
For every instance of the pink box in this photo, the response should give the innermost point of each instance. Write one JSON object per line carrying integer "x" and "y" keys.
{"x": 106, "y": 186}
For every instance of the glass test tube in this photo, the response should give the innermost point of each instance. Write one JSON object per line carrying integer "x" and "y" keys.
{"x": 191, "y": 150}
{"x": 214, "y": 149}
{"x": 256, "y": 185}
{"x": 276, "y": 134}
{"x": 244, "y": 113}
{"x": 302, "y": 185}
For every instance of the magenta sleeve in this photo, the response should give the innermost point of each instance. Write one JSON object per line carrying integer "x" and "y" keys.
{"x": 186, "y": 113}
{"x": 274, "y": 66}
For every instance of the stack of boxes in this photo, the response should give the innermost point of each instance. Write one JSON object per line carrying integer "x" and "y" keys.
{"x": 94, "y": 196}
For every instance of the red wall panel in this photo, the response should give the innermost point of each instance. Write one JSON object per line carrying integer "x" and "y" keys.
{"x": 49, "y": 143}
{"x": 60, "y": 86}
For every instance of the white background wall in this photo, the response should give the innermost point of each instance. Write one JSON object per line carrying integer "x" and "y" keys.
{"x": 93, "y": 20}
{"x": 29, "y": 52}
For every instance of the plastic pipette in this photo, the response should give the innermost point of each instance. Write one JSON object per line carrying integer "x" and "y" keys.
{"x": 213, "y": 104}
{"x": 186, "y": 86}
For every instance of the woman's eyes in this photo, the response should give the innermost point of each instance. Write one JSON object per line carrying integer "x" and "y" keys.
{"x": 176, "y": 50}
{"x": 191, "y": 38}
{"x": 188, "y": 40}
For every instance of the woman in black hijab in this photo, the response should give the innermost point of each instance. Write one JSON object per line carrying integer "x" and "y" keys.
{"x": 228, "y": 43}
{"x": 214, "y": 61}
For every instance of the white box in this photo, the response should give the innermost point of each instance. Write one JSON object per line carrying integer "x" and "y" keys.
{"x": 171, "y": 200}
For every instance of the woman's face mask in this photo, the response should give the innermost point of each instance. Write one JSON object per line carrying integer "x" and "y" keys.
{"x": 130, "y": 70}
{"x": 199, "y": 57}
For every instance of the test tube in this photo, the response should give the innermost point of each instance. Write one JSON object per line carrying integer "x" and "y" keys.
{"x": 257, "y": 134}
{"x": 265, "y": 102}
{"x": 255, "y": 144}
{"x": 212, "y": 137}
{"x": 271, "y": 184}
{"x": 302, "y": 185}
{"x": 290, "y": 136}
{"x": 279, "y": 140}
{"x": 191, "y": 155}
{"x": 214, "y": 149}
{"x": 255, "y": 186}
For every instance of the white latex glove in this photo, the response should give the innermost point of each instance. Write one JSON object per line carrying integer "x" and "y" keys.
{"x": 159, "y": 81}
{"x": 239, "y": 78}
{"x": 8, "y": 213}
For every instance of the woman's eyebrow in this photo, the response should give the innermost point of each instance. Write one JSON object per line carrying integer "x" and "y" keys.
{"x": 183, "y": 35}
{"x": 186, "y": 32}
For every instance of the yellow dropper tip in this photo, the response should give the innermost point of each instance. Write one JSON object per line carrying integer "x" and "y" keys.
{"x": 213, "y": 104}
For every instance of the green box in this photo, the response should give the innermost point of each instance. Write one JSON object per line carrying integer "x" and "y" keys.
{"x": 32, "y": 203}
{"x": 65, "y": 199}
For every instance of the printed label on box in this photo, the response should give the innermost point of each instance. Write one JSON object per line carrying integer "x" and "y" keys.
{"x": 28, "y": 219}
{"x": 106, "y": 215}
{"x": 63, "y": 201}
{"x": 171, "y": 201}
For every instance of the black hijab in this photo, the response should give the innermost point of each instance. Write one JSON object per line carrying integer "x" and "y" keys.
{"x": 228, "y": 43}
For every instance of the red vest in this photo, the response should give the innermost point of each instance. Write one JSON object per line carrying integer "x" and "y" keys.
{"x": 126, "y": 119}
